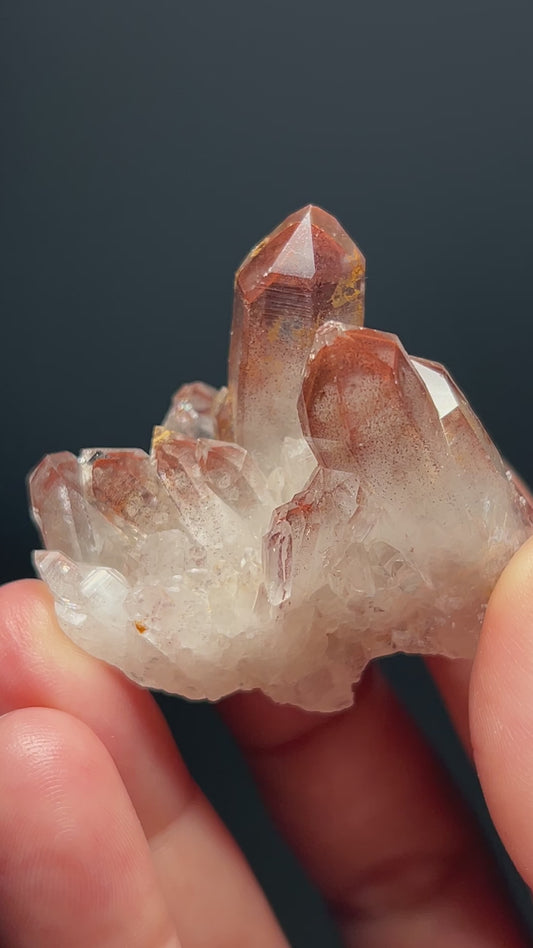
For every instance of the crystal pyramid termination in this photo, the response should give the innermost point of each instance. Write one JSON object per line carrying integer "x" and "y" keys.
{"x": 337, "y": 502}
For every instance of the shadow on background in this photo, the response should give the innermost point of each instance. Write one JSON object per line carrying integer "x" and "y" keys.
{"x": 147, "y": 146}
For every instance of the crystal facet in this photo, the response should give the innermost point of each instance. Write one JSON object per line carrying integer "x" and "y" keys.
{"x": 337, "y": 502}
{"x": 307, "y": 271}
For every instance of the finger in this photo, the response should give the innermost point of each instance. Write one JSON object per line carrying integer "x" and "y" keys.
{"x": 453, "y": 676}
{"x": 75, "y": 867}
{"x": 502, "y": 709}
{"x": 375, "y": 822}
{"x": 213, "y": 895}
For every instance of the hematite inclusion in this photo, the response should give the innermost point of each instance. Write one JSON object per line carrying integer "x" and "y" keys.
{"x": 338, "y": 501}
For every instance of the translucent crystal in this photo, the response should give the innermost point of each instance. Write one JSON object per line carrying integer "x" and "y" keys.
{"x": 307, "y": 271}
{"x": 337, "y": 502}
{"x": 191, "y": 411}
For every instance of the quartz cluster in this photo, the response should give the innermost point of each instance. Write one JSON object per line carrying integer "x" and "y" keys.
{"x": 337, "y": 502}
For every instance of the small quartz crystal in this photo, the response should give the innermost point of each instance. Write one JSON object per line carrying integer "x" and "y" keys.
{"x": 338, "y": 501}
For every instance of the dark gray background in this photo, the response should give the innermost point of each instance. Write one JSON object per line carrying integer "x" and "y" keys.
{"x": 147, "y": 145}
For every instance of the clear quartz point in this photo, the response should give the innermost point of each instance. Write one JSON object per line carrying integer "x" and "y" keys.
{"x": 337, "y": 502}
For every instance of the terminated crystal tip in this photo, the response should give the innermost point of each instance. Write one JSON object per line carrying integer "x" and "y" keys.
{"x": 337, "y": 502}
{"x": 288, "y": 286}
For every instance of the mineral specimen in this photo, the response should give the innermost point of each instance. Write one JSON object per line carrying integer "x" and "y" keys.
{"x": 338, "y": 501}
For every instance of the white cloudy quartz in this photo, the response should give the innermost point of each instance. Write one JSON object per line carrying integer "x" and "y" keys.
{"x": 339, "y": 501}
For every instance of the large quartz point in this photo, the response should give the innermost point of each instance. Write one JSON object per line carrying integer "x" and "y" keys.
{"x": 306, "y": 272}
{"x": 337, "y": 502}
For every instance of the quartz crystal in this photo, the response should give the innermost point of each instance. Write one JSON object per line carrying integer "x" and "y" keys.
{"x": 337, "y": 502}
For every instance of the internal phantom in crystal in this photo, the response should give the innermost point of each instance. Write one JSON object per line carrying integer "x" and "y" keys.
{"x": 337, "y": 502}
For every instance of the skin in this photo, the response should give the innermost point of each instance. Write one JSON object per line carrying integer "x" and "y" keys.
{"x": 105, "y": 840}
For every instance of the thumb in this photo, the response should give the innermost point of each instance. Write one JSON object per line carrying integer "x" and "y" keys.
{"x": 501, "y": 709}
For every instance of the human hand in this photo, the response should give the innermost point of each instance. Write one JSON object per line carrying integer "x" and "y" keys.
{"x": 105, "y": 840}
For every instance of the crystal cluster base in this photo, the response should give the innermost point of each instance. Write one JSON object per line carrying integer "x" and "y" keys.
{"x": 337, "y": 502}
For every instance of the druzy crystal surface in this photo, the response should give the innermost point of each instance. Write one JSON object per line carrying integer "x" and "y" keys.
{"x": 337, "y": 502}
